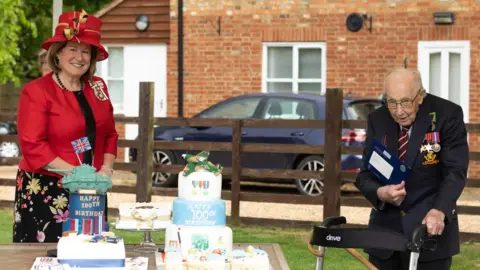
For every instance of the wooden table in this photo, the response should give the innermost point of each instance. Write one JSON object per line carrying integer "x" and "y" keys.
{"x": 21, "y": 256}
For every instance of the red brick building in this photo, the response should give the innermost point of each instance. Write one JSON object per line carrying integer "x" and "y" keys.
{"x": 235, "y": 60}
{"x": 234, "y": 47}
{"x": 259, "y": 42}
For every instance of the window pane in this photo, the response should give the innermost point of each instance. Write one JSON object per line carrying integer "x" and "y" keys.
{"x": 454, "y": 71}
{"x": 310, "y": 88}
{"x": 279, "y": 87}
{"x": 280, "y": 63}
{"x": 115, "y": 89}
{"x": 287, "y": 108}
{"x": 115, "y": 62}
{"x": 435, "y": 77}
{"x": 236, "y": 109}
{"x": 359, "y": 110}
{"x": 310, "y": 63}
{"x": 98, "y": 70}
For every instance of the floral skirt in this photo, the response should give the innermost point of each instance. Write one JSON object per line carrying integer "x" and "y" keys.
{"x": 41, "y": 206}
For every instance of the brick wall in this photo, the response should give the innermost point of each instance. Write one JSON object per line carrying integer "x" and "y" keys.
{"x": 220, "y": 66}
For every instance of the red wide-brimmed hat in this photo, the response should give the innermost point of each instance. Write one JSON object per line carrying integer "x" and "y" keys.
{"x": 79, "y": 26}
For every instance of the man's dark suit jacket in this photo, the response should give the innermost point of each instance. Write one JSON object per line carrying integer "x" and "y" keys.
{"x": 435, "y": 184}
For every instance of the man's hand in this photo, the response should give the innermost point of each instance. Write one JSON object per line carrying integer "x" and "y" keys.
{"x": 435, "y": 220}
{"x": 393, "y": 194}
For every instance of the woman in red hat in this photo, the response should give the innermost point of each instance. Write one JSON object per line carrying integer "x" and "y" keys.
{"x": 55, "y": 111}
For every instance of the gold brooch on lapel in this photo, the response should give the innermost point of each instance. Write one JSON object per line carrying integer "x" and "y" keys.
{"x": 98, "y": 87}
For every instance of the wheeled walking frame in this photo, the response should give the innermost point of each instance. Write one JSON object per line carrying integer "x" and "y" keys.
{"x": 350, "y": 238}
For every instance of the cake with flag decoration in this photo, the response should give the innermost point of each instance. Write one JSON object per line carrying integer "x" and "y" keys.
{"x": 86, "y": 241}
{"x": 87, "y": 190}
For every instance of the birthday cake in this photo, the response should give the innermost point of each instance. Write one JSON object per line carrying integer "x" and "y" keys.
{"x": 91, "y": 251}
{"x": 249, "y": 259}
{"x": 198, "y": 237}
{"x": 144, "y": 216}
{"x": 199, "y": 215}
{"x": 85, "y": 241}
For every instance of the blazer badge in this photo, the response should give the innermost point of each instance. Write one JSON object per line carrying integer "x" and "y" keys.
{"x": 98, "y": 87}
{"x": 430, "y": 159}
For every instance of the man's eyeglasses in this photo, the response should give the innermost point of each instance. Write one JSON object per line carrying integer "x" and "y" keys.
{"x": 407, "y": 103}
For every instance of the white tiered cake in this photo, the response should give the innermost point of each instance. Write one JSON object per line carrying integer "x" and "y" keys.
{"x": 199, "y": 216}
{"x": 198, "y": 237}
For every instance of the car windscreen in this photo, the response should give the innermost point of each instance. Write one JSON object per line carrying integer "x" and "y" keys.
{"x": 359, "y": 110}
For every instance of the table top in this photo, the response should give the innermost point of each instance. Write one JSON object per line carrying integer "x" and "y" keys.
{"x": 22, "y": 255}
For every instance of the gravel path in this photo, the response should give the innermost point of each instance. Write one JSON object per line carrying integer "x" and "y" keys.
{"x": 354, "y": 215}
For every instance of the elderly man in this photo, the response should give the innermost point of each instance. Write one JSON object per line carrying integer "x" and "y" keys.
{"x": 429, "y": 135}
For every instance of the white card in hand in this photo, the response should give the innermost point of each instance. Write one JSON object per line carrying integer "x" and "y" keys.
{"x": 381, "y": 165}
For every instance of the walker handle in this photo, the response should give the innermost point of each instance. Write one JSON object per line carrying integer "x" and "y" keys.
{"x": 333, "y": 221}
{"x": 418, "y": 238}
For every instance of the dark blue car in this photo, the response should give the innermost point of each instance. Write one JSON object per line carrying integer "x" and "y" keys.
{"x": 267, "y": 106}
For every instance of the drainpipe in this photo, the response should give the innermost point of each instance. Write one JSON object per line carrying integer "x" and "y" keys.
{"x": 180, "y": 58}
{"x": 57, "y": 11}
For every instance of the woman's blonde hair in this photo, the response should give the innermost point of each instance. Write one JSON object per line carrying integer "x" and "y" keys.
{"x": 52, "y": 61}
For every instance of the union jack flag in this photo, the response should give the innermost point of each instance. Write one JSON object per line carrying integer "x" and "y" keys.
{"x": 81, "y": 145}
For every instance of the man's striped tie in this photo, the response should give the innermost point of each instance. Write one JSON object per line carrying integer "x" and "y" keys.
{"x": 403, "y": 143}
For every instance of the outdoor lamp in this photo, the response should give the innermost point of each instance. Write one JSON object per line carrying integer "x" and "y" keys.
{"x": 141, "y": 23}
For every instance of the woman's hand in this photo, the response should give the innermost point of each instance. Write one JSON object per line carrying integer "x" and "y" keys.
{"x": 106, "y": 171}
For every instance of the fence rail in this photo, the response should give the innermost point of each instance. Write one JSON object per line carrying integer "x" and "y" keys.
{"x": 331, "y": 151}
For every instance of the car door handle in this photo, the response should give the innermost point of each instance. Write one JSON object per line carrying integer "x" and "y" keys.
{"x": 244, "y": 133}
{"x": 297, "y": 133}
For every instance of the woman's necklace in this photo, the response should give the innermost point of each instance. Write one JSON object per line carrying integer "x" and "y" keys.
{"x": 63, "y": 86}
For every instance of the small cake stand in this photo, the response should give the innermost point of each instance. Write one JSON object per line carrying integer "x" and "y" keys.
{"x": 147, "y": 245}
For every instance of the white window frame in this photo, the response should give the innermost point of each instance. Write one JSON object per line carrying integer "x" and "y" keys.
{"x": 295, "y": 80}
{"x": 462, "y": 47}
{"x": 104, "y": 75}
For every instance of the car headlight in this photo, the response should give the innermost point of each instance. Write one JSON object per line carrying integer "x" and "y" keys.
{"x": 3, "y": 131}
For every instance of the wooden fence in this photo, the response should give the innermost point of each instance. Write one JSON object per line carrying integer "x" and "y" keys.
{"x": 332, "y": 150}
{"x": 9, "y": 94}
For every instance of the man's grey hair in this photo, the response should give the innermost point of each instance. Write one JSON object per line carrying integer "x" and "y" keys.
{"x": 417, "y": 78}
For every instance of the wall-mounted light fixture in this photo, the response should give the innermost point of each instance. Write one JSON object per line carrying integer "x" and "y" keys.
{"x": 443, "y": 17}
{"x": 355, "y": 21}
{"x": 141, "y": 23}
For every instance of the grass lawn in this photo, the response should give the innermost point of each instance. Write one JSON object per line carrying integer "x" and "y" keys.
{"x": 292, "y": 241}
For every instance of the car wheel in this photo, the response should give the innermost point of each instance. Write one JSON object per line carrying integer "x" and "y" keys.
{"x": 163, "y": 179}
{"x": 311, "y": 187}
{"x": 9, "y": 149}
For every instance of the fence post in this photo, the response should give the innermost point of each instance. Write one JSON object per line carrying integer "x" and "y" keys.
{"x": 236, "y": 171}
{"x": 333, "y": 150}
{"x": 145, "y": 143}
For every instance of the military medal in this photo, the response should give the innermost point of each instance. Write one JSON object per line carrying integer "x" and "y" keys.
{"x": 436, "y": 139}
